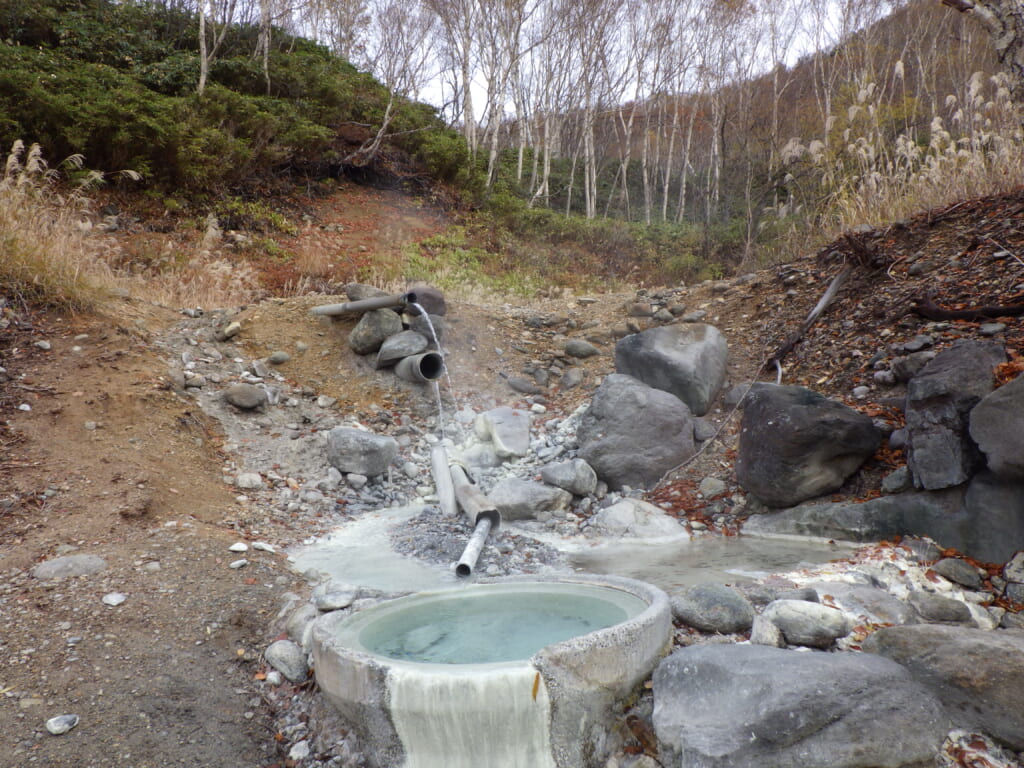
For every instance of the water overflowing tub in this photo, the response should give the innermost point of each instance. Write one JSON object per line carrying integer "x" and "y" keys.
{"x": 511, "y": 674}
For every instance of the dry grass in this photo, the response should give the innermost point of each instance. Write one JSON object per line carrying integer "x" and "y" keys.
{"x": 975, "y": 148}
{"x": 51, "y": 255}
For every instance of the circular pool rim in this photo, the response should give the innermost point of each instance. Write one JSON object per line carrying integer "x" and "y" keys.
{"x": 352, "y": 630}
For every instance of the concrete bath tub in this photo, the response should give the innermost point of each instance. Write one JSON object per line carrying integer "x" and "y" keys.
{"x": 511, "y": 674}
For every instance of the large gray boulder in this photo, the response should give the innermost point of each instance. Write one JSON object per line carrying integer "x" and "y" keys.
{"x": 373, "y": 328}
{"x": 687, "y": 360}
{"x": 796, "y": 444}
{"x": 940, "y": 453}
{"x": 364, "y": 453}
{"x": 633, "y": 434}
{"x": 736, "y": 706}
{"x": 997, "y": 426}
{"x": 984, "y": 520}
{"x": 977, "y": 674}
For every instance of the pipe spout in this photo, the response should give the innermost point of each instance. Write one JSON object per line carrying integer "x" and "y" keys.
{"x": 482, "y": 515}
{"x": 419, "y": 368}
{"x": 397, "y": 301}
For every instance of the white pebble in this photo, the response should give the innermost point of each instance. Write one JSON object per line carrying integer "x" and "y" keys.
{"x": 114, "y": 598}
{"x": 262, "y": 546}
{"x": 61, "y": 724}
{"x": 240, "y": 546}
{"x": 239, "y": 564}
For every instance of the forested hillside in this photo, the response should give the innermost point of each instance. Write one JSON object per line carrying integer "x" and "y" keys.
{"x": 664, "y": 139}
{"x": 135, "y": 86}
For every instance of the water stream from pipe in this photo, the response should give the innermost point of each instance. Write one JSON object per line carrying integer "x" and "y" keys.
{"x": 444, "y": 367}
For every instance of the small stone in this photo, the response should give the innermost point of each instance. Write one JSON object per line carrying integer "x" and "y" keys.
{"x": 249, "y": 481}
{"x": 238, "y": 564}
{"x": 61, "y": 724}
{"x": 861, "y": 393}
{"x": 991, "y": 329}
{"x": 580, "y": 349}
{"x": 287, "y": 658}
{"x": 239, "y": 546}
{"x": 248, "y": 397}
{"x": 229, "y": 331}
{"x": 114, "y": 598}
{"x": 24, "y": 407}
{"x": 263, "y": 546}
{"x": 279, "y": 358}
{"x": 299, "y": 751}
{"x": 43, "y": 345}
{"x": 711, "y": 486}
{"x": 90, "y": 426}
{"x": 325, "y": 402}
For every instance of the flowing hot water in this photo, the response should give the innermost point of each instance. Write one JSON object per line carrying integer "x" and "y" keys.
{"x": 444, "y": 366}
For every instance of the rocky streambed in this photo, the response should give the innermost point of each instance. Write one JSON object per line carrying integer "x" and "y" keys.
{"x": 895, "y": 655}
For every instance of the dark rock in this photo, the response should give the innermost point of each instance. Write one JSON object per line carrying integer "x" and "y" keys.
{"x": 433, "y": 331}
{"x": 713, "y": 607}
{"x": 977, "y": 674}
{"x": 402, "y": 344}
{"x": 360, "y": 291}
{"x": 523, "y": 385}
{"x": 897, "y": 481}
{"x": 736, "y": 706}
{"x": 359, "y": 452}
{"x": 906, "y": 368}
{"x": 632, "y": 434}
{"x": 373, "y": 329}
{"x": 573, "y": 377}
{"x": 796, "y": 444}
{"x": 248, "y": 397}
{"x": 939, "y": 398}
{"x": 576, "y": 476}
{"x": 936, "y": 609}
{"x": 704, "y": 430}
{"x": 984, "y": 521}
{"x": 994, "y": 526}
{"x": 997, "y": 426}
{"x": 580, "y": 349}
{"x": 430, "y": 298}
{"x": 687, "y": 360}
{"x": 959, "y": 572}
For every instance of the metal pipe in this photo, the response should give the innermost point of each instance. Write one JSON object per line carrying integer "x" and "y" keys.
{"x": 482, "y": 515}
{"x": 443, "y": 480}
{"x": 427, "y": 366}
{"x": 464, "y": 567}
{"x": 397, "y": 301}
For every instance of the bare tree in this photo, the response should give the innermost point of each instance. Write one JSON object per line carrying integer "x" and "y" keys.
{"x": 212, "y": 13}
{"x": 1005, "y": 22}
